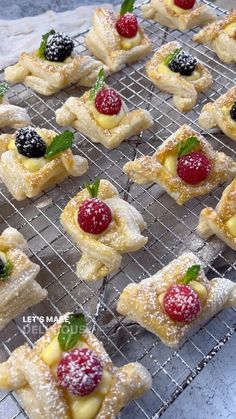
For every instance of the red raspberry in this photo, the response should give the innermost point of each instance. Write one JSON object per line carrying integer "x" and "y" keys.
{"x": 185, "y": 4}
{"x": 94, "y": 216}
{"x": 108, "y": 102}
{"x": 194, "y": 167}
{"x": 79, "y": 371}
{"x": 127, "y": 25}
{"x": 181, "y": 303}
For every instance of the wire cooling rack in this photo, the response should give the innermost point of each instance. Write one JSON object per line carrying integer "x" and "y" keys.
{"x": 171, "y": 230}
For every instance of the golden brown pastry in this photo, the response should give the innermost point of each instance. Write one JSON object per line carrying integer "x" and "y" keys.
{"x": 33, "y": 159}
{"x": 221, "y": 37}
{"x": 177, "y": 72}
{"x": 103, "y": 226}
{"x": 185, "y": 165}
{"x": 10, "y": 115}
{"x": 18, "y": 288}
{"x": 222, "y": 220}
{"x": 71, "y": 378}
{"x": 177, "y": 300}
{"x": 221, "y": 113}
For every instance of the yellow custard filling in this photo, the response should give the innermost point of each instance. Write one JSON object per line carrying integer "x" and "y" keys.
{"x": 3, "y": 257}
{"x": 128, "y": 43}
{"x": 164, "y": 69}
{"x": 227, "y": 116}
{"x": 231, "y": 30}
{"x": 170, "y": 164}
{"x": 107, "y": 121}
{"x": 174, "y": 8}
{"x": 231, "y": 225}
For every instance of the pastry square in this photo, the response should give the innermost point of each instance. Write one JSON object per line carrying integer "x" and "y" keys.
{"x": 18, "y": 288}
{"x": 27, "y": 177}
{"x": 221, "y": 113}
{"x": 222, "y": 220}
{"x": 105, "y": 43}
{"x": 161, "y": 168}
{"x": 183, "y": 87}
{"x": 168, "y": 14}
{"x": 101, "y": 253}
{"x": 221, "y": 37}
{"x": 32, "y": 374}
{"x": 145, "y": 302}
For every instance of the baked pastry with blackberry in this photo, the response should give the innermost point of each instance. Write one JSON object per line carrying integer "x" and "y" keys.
{"x": 11, "y": 115}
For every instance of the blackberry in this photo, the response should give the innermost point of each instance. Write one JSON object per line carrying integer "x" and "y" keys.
{"x": 184, "y": 63}
{"x": 2, "y": 266}
{"x": 29, "y": 143}
{"x": 233, "y": 112}
{"x": 59, "y": 47}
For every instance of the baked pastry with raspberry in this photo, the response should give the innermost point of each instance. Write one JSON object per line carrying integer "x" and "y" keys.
{"x": 102, "y": 115}
{"x": 33, "y": 159}
{"x": 177, "y": 300}
{"x": 177, "y": 72}
{"x": 185, "y": 165}
{"x": 103, "y": 226}
{"x": 18, "y": 288}
{"x": 117, "y": 40}
{"x": 221, "y": 114}
{"x": 53, "y": 66}
{"x": 179, "y": 14}
{"x": 69, "y": 375}
{"x": 222, "y": 220}
{"x": 11, "y": 115}
{"x": 221, "y": 37}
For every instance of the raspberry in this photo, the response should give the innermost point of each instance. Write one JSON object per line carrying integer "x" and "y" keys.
{"x": 185, "y": 4}
{"x": 108, "y": 102}
{"x": 94, "y": 216}
{"x": 181, "y": 303}
{"x": 193, "y": 168}
{"x": 127, "y": 25}
{"x": 29, "y": 143}
{"x": 79, "y": 371}
{"x": 59, "y": 47}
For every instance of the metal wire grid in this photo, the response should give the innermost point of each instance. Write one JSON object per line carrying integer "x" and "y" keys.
{"x": 171, "y": 230}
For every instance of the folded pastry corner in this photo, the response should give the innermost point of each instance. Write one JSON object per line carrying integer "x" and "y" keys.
{"x": 177, "y": 72}
{"x": 172, "y": 15}
{"x": 103, "y": 226}
{"x": 222, "y": 220}
{"x": 10, "y": 115}
{"x": 177, "y": 300}
{"x": 185, "y": 165}
{"x": 18, "y": 288}
{"x": 71, "y": 380}
{"x": 220, "y": 37}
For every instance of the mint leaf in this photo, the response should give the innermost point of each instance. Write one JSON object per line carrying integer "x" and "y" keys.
{"x": 71, "y": 330}
{"x": 171, "y": 56}
{"x": 98, "y": 84}
{"x": 60, "y": 143}
{"x": 185, "y": 147}
{"x": 191, "y": 274}
{"x": 127, "y": 6}
{"x": 6, "y": 271}
{"x": 93, "y": 188}
{"x": 3, "y": 89}
{"x": 42, "y": 47}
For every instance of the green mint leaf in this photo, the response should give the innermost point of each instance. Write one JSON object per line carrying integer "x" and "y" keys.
{"x": 93, "y": 188}
{"x": 71, "y": 330}
{"x": 171, "y": 56}
{"x": 42, "y": 47}
{"x": 191, "y": 274}
{"x": 98, "y": 84}
{"x": 3, "y": 89}
{"x": 127, "y": 6}
{"x": 60, "y": 143}
{"x": 7, "y": 271}
{"x": 185, "y": 147}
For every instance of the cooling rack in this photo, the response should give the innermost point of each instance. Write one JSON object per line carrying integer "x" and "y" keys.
{"x": 171, "y": 230}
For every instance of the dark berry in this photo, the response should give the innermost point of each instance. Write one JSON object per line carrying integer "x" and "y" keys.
{"x": 181, "y": 303}
{"x": 2, "y": 266}
{"x": 194, "y": 167}
{"x": 185, "y": 4}
{"x": 108, "y": 102}
{"x": 59, "y": 47}
{"x": 29, "y": 143}
{"x": 233, "y": 112}
{"x": 94, "y": 216}
{"x": 127, "y": 25}
{"x": 184, "y": 63}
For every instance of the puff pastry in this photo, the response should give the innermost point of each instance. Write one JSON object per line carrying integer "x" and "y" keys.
{"x": 141, "y": 302}
{"x": 18, "y": 290}
{"x": 104, "y": 42}
{"x": 101, "y": 253}
{"x": 12, "y": 116}
{"x": 217, "y": 114}
{"x": 184, "y": 88}
{"x": 21, "y": 181}
{"x": 155, "y": 169}
{"x": 222, "y": 220}
{"x": 31, "y": 373}
{"x": 221, "y": 37}
{"x": 167, "y": 14}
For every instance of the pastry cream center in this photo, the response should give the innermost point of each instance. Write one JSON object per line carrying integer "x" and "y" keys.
{"x": 164, "y": 69}
{"x": 227, "y": 116}
{"x": 107, "y": 121}
{"x": 170, "y": 164}
{"x": 128, "y": 43}
{"x": 174, "y": 8}
{"x": 231, "y": 30}
{"x": 231, "y": 224}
